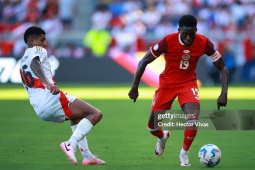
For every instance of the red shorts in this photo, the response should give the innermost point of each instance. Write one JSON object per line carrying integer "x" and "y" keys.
{"x": 164, "y": 97}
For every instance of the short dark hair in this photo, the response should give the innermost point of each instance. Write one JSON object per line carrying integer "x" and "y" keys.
{"x": 188, "y": 21}
{"x": 33, "y": 31}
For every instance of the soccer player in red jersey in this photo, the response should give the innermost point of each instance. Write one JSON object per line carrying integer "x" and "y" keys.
{"x": 182, "y": 51}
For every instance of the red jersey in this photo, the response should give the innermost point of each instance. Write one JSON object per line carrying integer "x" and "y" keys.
{"x": 181, "y": 60}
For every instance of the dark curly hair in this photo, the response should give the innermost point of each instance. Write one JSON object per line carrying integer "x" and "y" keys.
{"x": 33, "y": 31}
{"x": 188, "y": 21}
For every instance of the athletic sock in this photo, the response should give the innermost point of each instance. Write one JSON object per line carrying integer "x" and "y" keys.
{"x": 82, "y": 129}
{"x": 83, "y": 146}
{"x": 183, "y": 152}
{"x": 156, "y": 132}
{"x": 189, "y": 136}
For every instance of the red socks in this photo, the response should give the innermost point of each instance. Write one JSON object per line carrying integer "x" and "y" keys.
{"x": 156, "y": 132}
{"x": 189, "y": 136}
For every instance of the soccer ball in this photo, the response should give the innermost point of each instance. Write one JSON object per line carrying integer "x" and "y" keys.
{"x": 209, "y": 155}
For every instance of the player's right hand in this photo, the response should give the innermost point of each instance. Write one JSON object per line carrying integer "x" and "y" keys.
{"x": 53, "y": 89}
{"x": 222, "y": 100}
{"x": 133, "y": 94}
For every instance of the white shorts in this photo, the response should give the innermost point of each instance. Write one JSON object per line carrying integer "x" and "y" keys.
{"x": 58, "y": 111}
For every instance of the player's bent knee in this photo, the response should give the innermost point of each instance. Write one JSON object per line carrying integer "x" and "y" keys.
{"x": 98, "y": 115}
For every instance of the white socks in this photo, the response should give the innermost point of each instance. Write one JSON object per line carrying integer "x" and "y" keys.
{"x": 183, "y": 152}
{"x": 82, "y": 129}
{"x": 83, "y": 146}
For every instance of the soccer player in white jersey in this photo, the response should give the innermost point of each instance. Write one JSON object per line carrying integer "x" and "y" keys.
{"x": 50, "y": 103}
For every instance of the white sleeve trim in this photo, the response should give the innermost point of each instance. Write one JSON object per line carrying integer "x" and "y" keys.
{"x": 216, "y": 56}
{"x": 153, "y": 53}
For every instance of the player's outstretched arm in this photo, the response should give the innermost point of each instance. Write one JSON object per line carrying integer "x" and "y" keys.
{"x": 38, "y": 70}
{"x": 148, "y": 58}
{"x": 222, "y": 99}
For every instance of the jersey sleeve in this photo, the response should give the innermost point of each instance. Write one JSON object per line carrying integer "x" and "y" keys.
{"x": 38, "y": 51}
{"x": 209, "y": 48}
{"x": 211, "y": 51}
{"x": 159, "y": 48}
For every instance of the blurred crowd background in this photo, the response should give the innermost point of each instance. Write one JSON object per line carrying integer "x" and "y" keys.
{"x": 85, "y": 28}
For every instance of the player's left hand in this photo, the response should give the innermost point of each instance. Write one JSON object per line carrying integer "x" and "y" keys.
{"x": 222, "y": 100}
{"x": 133, "y": 93}
{"x": 53, "y": 89}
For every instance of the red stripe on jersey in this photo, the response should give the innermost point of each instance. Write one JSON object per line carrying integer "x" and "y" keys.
{"x": 54, "y": 81}
{"x": 38, "y": 84}
{"x": 22, "y": 76}
{"x": 64, "y": 103}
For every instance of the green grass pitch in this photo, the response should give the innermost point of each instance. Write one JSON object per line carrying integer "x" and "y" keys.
{"x": 121, "y": 138}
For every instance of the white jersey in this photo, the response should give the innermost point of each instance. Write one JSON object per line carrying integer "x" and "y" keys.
{"x": 39, "y": 96}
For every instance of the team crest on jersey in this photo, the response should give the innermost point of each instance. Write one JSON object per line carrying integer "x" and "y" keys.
{"x": 155, "y": 47}
{"x": 186, "y": 57}
{"x": 186, "y": 51}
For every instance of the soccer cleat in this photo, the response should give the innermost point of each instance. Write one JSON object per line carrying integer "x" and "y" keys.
{"x": 94, "y": 161}
{"x": 160, "y": 145}
{"x": 69, "y": 151}
{"x": 184, "y": 160}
